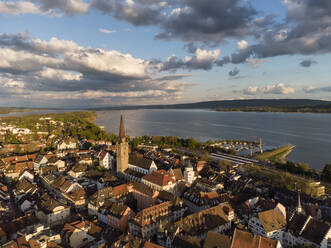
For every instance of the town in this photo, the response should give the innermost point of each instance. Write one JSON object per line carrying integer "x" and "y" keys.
{"x": 65, "y": 183}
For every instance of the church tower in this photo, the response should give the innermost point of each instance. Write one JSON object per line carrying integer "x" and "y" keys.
{"x": 122, "y": 150}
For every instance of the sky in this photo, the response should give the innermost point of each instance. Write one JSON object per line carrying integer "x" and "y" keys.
{"x": 90, "y": 53}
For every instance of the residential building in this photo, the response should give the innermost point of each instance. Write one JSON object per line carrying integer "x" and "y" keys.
{"x": 160, "y": 180}
{"x": 116, "y": 215}
{"x": 106, "y": 160}
{"x": 249, "y": 240}
{"x": 52, "y": 212}
{"x": 189, "y": 174}
{"x": 270, "y": 224}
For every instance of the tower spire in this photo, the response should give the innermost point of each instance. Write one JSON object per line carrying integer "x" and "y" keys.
{"x": 122, "y": 130}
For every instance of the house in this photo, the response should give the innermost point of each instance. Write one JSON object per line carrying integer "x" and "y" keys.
{"x": 106, "y": 160}
{"x": 71, "y": 191}
{"x": 26, "y": 203}
{"x": 146, "y": 223}
{"x": 160, "y": 180}
{"x": 189, "y": 174}
{"x": 13, "y": 171}
{"x": 78, "y": 170}
{"x": 27, "y": 175}
{"x": 197, "y": 200}
{"x": 121, "y": 191}
{"x": 86, "y": 159}
{"x": 80, "y": 233}
{"x": 304, "y": 230}
{"x": 115, "y": 215}
{"x": 40, "y": 160}
{"x": 270, "y": 224}
{"x": 67, "y": 144}
{"x": 24, "y": 187}
{"x": 178, "y": 174}
{"x": 60, "y": 164}
{"x": 51, "y": 212}
{"x": 217, "y": 219}
{"x": 217, "y": 240}
{"x": 181, "y": 241}
{"x": 143, "y": 194}
{"x": 248, "y": 240}
{"x": 77, "y": 197}
{"x": 133, "y": 175}
{"x": 142, "y": 165}
{"x": 24, "y": 224}
{"x": 98, "y": 199}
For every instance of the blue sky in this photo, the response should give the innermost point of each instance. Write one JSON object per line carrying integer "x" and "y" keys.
{"x": 115, "y": 52}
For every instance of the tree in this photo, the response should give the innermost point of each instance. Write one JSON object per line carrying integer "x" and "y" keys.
{"x": 134, "y": 142}
{"x": 326, "y": 173}
{"x": 192, "y": 143}
{"x": 303, "y": 167}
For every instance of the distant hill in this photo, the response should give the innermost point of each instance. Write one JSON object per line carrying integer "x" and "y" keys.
{"x": 236, "y": 105}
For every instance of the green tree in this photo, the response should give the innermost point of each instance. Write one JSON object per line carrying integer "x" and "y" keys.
{"x": 326, "y": 173}
{"x": 192, "y": 143}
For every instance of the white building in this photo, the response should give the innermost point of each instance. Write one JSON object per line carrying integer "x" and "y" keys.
{"x": 67, "y": 144}
{"x": 270, "y": 224}
{"x": 189, "y": 174}
{"x": 142, "y": 165}
{"x": 52, "y": 212}
{"x": 106, "y": 160}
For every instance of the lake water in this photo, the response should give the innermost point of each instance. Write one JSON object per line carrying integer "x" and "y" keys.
{"x": 310, "y": 133}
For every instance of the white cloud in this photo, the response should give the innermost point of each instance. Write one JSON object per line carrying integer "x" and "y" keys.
{"x": 106, "y": 31}
{"x": 314, "y": 89}
{"x": 48, "y": 7}
{"x": 242, "y": 44}
{"x": 59, "y": 75}
{"x": 278, "y": 89}
{"x": 255, "y": 62}
{"x": 16, "y": 8}
{"x": 38, "y": 71}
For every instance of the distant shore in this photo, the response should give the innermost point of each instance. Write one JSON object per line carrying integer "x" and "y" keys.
{"x": 300, "y": 109}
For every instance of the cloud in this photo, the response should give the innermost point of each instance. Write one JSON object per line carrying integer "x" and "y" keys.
{"x": 278, "y": 89}
{"x": 137, "y": 13}
{"x": 306, "y": 30}
{"x": 255, "y": 62}
{"x": 314, "y": 89}
{"x": 307, "y": 62}
{"x": 106, "y": 31}
{"x": 47, "y": 7}
{"x": 16, "y": 8}
{"x": 208, "y": 21}
{"x": 69, "y": 7}
{"x": 202, "y": 60}
{"x": 61, "y": 67}
{"x": 234, "y": 72}
{"x": 242, "y": 44}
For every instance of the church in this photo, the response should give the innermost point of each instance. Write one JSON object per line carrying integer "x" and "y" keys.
{"x": 122, "y": 150}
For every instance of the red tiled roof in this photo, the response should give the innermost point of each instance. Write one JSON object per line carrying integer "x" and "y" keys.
{"x": 160, "y": 177}
{"x": 243, "y": 239}
{"x": 120, "y": 190}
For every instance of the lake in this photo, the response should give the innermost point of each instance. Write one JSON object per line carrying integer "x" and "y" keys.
{"x": 310, "y": 133}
